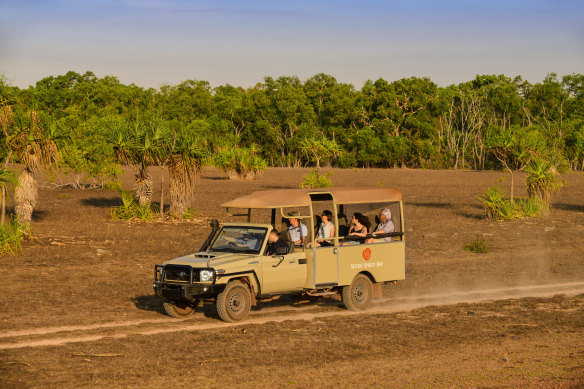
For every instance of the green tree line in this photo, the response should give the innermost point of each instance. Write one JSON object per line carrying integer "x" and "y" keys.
{"x": 481, "y": 124}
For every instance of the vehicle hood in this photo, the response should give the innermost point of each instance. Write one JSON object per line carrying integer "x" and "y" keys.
{"x": 209, "y": 260}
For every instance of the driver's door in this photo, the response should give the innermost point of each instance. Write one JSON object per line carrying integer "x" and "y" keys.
{"x": 283, "y": 273}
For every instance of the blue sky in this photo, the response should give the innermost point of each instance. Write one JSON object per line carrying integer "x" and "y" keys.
{"x": 156, "y": 42}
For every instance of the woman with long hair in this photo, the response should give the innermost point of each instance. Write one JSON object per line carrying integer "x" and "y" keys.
{"x": 360, "y": 228}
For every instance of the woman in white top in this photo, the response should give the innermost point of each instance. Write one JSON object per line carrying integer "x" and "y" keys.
{"x": 326, "y": 229}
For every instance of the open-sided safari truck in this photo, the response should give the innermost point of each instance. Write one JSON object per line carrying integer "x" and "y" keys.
{"x": 233, "y": 271}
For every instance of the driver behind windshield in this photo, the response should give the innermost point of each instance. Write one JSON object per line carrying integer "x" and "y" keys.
{"x": 275, "y": 241}
{"x": 248, "y": 240}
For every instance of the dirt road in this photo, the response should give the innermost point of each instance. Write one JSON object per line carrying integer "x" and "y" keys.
{"x": 55, "y": 336}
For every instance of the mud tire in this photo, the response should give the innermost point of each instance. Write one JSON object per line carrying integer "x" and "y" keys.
{"x": 234, "y": 303}
{"x": 178, "y": 310}
{"x": 359, "y": 294}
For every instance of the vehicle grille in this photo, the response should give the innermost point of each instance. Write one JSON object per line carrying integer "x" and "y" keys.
{"x": 179, "y": 274}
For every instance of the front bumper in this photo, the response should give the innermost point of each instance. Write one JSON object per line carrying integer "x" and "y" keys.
{"x": 177, "y": 292}
{"x": 182, "y": 283}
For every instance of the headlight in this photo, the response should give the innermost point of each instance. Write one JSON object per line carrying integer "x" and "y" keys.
{"x": 206, "y": 275}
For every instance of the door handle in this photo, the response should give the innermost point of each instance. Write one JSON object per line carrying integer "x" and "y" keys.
{"x": 279, "y": 262}
{"x": 335, "y": 250}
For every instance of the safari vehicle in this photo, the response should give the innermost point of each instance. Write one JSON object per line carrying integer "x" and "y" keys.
{"x": 233, "y": 271}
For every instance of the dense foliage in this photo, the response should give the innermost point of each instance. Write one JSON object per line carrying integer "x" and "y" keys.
{"x": 487, "y": 123}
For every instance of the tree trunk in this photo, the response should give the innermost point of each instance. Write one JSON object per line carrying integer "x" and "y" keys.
{"x": 511, "y": 197}
{"x": 161, "y": 194}
{"x": 3, "y": 216}
{"x": 181, "y": 187}
{"x": 143, "y": 188}
{"x": 25, "y": 196}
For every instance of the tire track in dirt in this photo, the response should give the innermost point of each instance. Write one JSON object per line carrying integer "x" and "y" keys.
{"x": 388, "y": 305}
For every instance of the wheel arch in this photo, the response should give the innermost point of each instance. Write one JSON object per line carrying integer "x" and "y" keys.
{"x": 251, "y": 282}
{"x": 368, "y": 274}
{"x": 377, "y": 292}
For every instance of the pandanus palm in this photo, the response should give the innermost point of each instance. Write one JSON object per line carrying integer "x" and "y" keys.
{"x": 33, "y": 138}
{"x": 186, "y": 155}
{"x": 7, "y": 177}
{"x": 141, "y": 144}
{"x": 542, "y": 181}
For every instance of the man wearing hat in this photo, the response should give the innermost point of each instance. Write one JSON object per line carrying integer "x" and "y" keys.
{"x": 384, "y": 227}
{"x": 298, "y": 231}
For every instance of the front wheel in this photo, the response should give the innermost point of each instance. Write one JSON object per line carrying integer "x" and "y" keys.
{"x": 178, "y": 310}
{"x": 234, "y": 303}
{"x": 359, "y": 294}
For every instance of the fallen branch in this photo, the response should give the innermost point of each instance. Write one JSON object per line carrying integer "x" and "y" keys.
{"x": 16, "y": 363}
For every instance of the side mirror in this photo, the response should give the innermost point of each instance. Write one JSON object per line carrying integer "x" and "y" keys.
{"x": 281, "y": 250}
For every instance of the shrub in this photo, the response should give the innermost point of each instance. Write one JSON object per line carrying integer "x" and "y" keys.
{"x": 477, "y": 246}
{"x": 130, "y": 209}
{"x": 530, "y": 207}
{"x": 316, "y": 180}
{"x": 11, "y": 235}
{"x": 498, "y": 206}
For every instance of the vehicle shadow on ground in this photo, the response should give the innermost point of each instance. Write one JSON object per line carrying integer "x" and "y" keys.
{"x": 152, "y": 303}
{"x": 294, "y": 302}
{"x": 149, "y": 303}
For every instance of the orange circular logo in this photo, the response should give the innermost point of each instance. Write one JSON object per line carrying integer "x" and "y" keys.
{"x": 367, "y": 254}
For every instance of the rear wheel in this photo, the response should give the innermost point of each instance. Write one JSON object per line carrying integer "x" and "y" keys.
{"x": 178, "y": 310}
{"x": 359, "y": 294}
{"x": 234, "y": 303}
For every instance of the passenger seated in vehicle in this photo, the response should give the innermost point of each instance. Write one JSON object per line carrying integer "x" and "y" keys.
{"x": 360, "y": 227}
{"x": 297, "y": 230}
{"x": 326, "y": 229}
{"x": 385, "y": 226}
{"x": 248, "y": 240}
{"x": 274, "y": 241}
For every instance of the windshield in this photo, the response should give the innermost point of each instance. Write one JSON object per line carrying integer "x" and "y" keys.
{"x": 234, "y": 239}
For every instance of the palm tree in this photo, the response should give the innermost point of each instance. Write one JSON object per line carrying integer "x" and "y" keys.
{"x": 542, "y": 181}
{"x": 186, "y": 156}
{"x": 33, "y": 139}
{"x": 7, "y": 177}
{"x": 141, "y": 144}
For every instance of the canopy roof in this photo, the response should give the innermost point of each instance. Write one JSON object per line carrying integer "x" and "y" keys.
{"x": 301, "y": 197}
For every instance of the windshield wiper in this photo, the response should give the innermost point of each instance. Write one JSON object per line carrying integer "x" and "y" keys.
{"x": 248, "y": 251}
{"x": 221, "y": 250}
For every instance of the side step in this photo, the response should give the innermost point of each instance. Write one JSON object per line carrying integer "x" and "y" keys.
{"x": 321, "y": 293}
